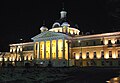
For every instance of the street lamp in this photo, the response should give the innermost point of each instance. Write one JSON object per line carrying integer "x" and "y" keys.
{"x": 80, "y": 50}
{"x": 21, "y": 52}
{"x": 69, "y": 42}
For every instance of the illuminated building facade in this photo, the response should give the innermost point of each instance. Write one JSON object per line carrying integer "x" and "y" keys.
{"x": 63, "y": 46}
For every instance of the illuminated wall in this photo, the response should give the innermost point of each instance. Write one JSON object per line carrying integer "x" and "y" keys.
{"x": 60, "y": 48}
{"x": 41, "y": 50}
{"x": 66, "y": 30}
{"x": 47, "y": 49}
{"x": 53, "y": 49}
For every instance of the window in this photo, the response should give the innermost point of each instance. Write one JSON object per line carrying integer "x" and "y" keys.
{"x": 102, "y": 54}
{"x": 81, "y": 55}
{"x": 86, "y": 43}
{"x": 110, "y": 54}
{"x": 101, "y": 42}
{"x": 118, "y": 41}
{"x": 94, "y": 43}
{"x": 87, "y": 54}
{"x": 118, "y": 53}
{"x": 94, "y": 54}
{"x": 109, "y": 42}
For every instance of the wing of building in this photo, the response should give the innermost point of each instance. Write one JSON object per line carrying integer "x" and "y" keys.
{"x": 63, "y": 46}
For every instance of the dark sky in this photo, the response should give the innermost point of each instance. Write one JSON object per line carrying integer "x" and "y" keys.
{"x": 23, "y": 18}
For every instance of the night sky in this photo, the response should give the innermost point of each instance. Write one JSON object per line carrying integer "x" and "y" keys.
{"x": 22, "y": 19}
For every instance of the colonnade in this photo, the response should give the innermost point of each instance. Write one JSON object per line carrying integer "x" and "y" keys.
{"x": 51, "y": 49}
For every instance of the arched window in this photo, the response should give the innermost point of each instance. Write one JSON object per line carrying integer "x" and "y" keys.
{"x": 94, "y": 54}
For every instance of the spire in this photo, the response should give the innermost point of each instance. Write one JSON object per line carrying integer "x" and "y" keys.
{"x": 43, "y": 22}
{"x": 63, "y": 12}
{"x": 63, "y": 6}
{"x": 43, "y": 28}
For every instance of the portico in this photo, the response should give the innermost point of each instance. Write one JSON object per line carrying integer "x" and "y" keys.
{"x": 51, "y": 46}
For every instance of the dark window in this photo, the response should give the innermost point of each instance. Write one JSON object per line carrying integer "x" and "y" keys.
{"x": 110, "y": 54}
{"x": 94, "y": 43}
{"x": 94, "y": 54}
{"x": 118, "y": 41}
{"x": 102, "y": 42}
{"x": 81, "y": 55}
{"x": 118, "y": 53}
{"x": 87, "y": 54}
{"x": 86, "y": 43}
{"x": 102, "y": 54}
{"x": 109, "y": 42}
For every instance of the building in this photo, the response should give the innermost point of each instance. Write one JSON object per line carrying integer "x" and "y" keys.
{"x": 62, "y": 45}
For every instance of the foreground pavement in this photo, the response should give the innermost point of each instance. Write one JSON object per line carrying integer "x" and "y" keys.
{"x": 58, "y": 75}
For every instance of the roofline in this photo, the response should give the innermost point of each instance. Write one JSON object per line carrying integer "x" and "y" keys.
{"x": 99, "y": 35}
{"x": 27, "y": 43}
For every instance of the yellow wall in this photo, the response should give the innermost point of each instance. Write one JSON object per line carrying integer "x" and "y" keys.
{"x": 96, "y": 49}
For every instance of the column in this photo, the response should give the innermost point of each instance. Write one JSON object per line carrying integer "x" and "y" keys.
{"x": 56, "y": 49}
{"x": 44, "y": 49}
{"x": 50, "y": 49}
{"x": 63, "y": 49}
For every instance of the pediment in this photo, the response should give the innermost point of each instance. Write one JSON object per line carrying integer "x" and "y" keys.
{"x": 48, "y": 34}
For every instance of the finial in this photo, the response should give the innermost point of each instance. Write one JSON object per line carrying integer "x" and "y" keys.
{"x": 63, "y": 6}
{"x": 43, "y": 22}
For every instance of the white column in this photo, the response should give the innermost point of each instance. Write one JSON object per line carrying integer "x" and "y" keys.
{"x": 50, "y": 49}
{"x": 44, "y": 49}
{"x": 63, "y": 49}
{"x": 57, "y": 49}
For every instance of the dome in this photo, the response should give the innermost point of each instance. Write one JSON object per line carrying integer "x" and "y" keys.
{"x": 65, "y": 24}
{"x": 43, "y": 28}
{"x": 56, "y": 24}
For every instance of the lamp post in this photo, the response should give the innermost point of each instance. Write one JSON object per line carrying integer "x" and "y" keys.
{"x": 69, "y": 42}
{"x": 80, "y": 50}
{"x": 21, "y": 53}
